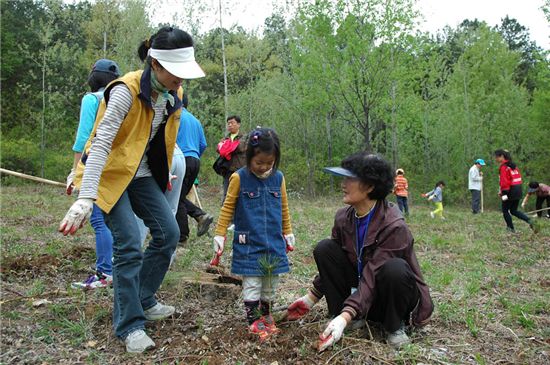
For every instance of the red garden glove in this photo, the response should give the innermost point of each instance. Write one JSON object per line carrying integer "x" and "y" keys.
{"x": 301, "y": 307}
{"x": 170, "y": 178}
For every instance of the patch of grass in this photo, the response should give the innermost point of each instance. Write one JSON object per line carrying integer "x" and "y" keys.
{"x": 15, "y": 315}
{"x": 487, "y": 286}
{"x": 37, "y": 289}
{"x": 471, "y": 322}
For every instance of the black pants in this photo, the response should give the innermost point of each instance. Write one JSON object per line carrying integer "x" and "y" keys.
{"x": 511, "y": 207}
{"x": 185, "y": 207}
{"x": 396, "y": 291}
{"x": 476, "y": 200}
{"x": 540, "y": 202}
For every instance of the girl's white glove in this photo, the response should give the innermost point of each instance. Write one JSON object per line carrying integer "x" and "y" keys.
{"x": 219, "y": 242}
{"x": 80, "y": 211}
{"x": 290, "y": 241}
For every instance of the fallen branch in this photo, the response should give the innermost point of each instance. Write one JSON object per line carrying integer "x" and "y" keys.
{"x": 536, "y": 211}
{"x": 340, "y": 351}
{"x": 33, "y": 178}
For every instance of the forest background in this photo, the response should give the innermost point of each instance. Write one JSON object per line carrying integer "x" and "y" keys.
{"x": 332, "y": 77}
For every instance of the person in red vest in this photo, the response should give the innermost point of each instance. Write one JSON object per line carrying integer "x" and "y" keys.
{"x": 510, "y": 189}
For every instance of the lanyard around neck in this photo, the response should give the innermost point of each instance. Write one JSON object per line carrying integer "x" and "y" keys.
{"x": 359, "y": 244}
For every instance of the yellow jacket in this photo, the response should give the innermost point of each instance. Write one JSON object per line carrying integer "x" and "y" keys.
{"x": 131, "y": 141}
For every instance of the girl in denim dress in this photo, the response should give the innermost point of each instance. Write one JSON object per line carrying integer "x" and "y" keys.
{"x": 257, "y": 203}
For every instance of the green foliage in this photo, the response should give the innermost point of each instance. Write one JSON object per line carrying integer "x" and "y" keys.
{"x": 332, "y": 78}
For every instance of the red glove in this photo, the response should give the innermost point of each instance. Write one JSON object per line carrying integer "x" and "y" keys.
{"x": 170, "y": 178}
{"x": 301, "y": 307}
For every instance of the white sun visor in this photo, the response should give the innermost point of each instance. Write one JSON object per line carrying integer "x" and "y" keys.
{"x": 179, "y": 62}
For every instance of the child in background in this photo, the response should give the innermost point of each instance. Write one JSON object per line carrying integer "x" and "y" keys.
{"x": 401, "y": 191}
{"x": 436, "y": 196}
{"x": 257, "y": 202}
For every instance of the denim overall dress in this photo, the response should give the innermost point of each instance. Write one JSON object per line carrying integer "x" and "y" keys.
{"x": 258, "y": 236}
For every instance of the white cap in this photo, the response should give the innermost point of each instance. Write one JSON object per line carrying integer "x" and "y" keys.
{"x": 180, "y": 62}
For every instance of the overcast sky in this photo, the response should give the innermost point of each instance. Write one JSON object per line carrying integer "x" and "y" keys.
{"x": 250, "y": 14}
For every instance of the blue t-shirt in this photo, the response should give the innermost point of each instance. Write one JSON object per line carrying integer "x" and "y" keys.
{"x": 88, "y": 112}
{"x": 190, "y": 138}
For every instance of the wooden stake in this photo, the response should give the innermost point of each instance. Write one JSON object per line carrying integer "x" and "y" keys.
{"x": 481, "y": 192}
{"x": 536, "y": 211}
{"x": 33, "y": 178}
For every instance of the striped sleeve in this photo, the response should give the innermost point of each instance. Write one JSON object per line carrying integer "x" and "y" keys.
{"x": 287, "y": 228}
{"x": 120, "y": 101}
{"x": 229, "y": 205}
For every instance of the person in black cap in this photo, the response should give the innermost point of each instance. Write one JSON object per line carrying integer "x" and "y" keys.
{"x": 103, "y": 72}
{"x": 542, "y": 191}
{"x": 368, "y": 268}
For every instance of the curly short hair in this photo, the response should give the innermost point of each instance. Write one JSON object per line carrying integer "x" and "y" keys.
{"x": 372, "y": 170}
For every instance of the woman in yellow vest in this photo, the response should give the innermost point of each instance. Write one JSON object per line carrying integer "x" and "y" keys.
{"x": 124, "y": 170}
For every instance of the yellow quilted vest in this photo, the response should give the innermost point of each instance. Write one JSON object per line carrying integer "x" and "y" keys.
{"x": 130, "y": 143}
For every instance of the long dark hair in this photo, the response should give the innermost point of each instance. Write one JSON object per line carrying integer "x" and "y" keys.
{"x": 263, "y": 140}
{"x": 165, "y": 38}
{"x": 507, "y": 156}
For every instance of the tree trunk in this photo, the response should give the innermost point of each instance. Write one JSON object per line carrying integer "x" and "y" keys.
{"x": 366, "y": 133}
{"x": 468, "y": 141}
{"x": 394, "y": 128}
{"x": 42, "y": 143}
{"x": 224, "y": 64}
{"x": 328, "y": 120}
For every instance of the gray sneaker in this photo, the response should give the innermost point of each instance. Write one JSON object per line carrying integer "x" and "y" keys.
{"x": 138, "y": 341}
{"x": 355, "y": 325}
{"x": 398, "y": 338}
{"x": 203, "y": 223}
{"x": 159, "y": 311}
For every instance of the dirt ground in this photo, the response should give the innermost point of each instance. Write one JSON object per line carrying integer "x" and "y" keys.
{"x": 44, "y": 321}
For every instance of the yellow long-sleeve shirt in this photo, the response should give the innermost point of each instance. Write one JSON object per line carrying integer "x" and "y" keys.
{"x": 228, "y": 209}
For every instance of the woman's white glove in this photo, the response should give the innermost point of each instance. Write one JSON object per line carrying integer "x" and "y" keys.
{"x": 80, "y": 211}
{"x": 290, "y": 241}
{"x": 219, "y": 242}
{"x": 333, "y": 333}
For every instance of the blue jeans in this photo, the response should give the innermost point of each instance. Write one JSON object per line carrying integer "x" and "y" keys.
{"x": 177, "y": 169}
{"x": 103, "y": 242}
{"x": 403, "y": 204}
{"x": 136, "y": 275}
